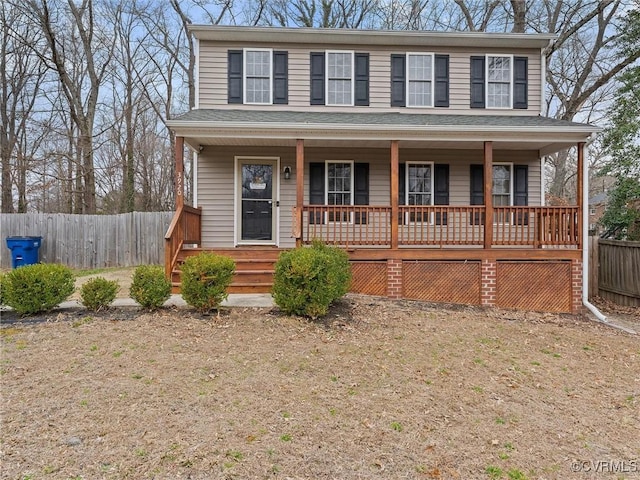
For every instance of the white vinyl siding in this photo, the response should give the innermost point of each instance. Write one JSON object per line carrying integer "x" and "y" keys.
{"x": 212, "y": 79}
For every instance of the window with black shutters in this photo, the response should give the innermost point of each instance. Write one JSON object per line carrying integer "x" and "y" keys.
{"x": 257, "y": 76}
{"x": 339, "y": 78}
{"x": 339, "y": 183}
{"x": 499, "y": 81}
{"x": 419, "y": 80}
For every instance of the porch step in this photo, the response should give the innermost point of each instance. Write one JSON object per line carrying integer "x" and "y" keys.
{"x": 254, "y": 268}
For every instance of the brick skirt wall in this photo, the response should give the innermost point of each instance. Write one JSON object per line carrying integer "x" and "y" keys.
{"x": 542, "y": 285}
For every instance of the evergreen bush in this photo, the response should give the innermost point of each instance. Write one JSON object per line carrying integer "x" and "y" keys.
{"x": 308, "y": 280}
{"x": 37, "y": 288}
{"x": 150, "y": 287}
{"x": 205, "y": 279}
{"x": 98, "y": 293}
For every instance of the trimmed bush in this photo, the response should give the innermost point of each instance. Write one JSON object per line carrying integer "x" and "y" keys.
{"x": 98, "y": 293}
{"x": 37, "y": 288}
{"x": 308, "y": 280}
{"x": 205, "y": 278}
{"x": 150, "y": 288}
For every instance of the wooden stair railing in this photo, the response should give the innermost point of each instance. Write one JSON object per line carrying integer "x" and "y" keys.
{"x": 185, "y": 228}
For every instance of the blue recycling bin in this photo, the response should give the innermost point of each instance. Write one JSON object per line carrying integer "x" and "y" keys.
{"x": 24, "y": 250}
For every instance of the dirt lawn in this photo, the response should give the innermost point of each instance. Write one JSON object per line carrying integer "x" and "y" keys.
{"x": 380, "y": 389}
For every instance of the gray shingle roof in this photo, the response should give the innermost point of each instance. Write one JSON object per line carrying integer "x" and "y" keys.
{"x": 268, "y": 117}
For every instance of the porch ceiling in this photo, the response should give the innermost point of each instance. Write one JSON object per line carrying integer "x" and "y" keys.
{"x": 206, "y": 127}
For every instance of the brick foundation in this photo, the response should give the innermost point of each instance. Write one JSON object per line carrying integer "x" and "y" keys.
{"x": 394, "y": 278}
{"x": 576, "y": 286}
{"x": 488, "y": 272}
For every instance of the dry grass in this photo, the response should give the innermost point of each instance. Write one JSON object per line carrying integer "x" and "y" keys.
{"x": 380, "y": 389}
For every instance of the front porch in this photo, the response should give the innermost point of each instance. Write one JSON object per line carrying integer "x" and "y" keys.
{"x": 533, "y": 261}
{"x": 458, "y": 247}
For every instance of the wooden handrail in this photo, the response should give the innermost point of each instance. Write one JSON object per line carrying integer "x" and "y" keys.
{"x": 185, "y": 227}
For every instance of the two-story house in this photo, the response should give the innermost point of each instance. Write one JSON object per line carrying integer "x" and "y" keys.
{"x": 420, "y": 153}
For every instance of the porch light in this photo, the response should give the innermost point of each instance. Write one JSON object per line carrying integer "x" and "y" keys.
{"x": 287, "y": 172}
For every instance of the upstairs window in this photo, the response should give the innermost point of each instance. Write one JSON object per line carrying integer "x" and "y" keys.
{"x": 257, "y": 76}
{"x": 499, "y": 81}
{"x": 419, "y": 80}
{"x": 339, "y": 78}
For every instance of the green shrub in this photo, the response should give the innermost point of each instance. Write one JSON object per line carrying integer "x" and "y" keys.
{"x": 150, "y": 287}
{"x": 98, "y": 293}
{"x": 37, "y": 288}
{"x": 308, "y": 280}
{"x": 205, "y": 278}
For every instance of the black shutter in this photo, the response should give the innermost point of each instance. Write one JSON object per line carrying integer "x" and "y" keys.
{"x": 520, "y": 76}
{"x": 362, "y": 79}
{"x": 361, "y": 187}
{"x": 521, "y": 191}
{"x": 317, "y": 78}
{"x": 398, "y": 80}
{"x": 316, "y": 189}
{"x": 477, "y": 82}
{"x": 234, "y": 76}
{"x": 441, "y": 81}
{"x": 441, "y": 190}
{"x": 280, "y": 78}
{"x": 476, "y": 182}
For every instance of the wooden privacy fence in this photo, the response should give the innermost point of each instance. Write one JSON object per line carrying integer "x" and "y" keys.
{"x": 90, "y": 241}
{"x": 617, "y": 264}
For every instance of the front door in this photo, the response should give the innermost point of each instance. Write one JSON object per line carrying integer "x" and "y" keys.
{"x": 258, "y": 199}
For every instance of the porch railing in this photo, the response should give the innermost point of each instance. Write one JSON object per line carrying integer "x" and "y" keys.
{"x": 440, "y": 226}
{"x": 537, "y": 226}
{"x": 347, "y": 225}
{"x": 185, "y": 228}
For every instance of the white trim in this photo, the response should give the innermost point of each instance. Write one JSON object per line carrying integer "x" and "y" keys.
{"x": 194, "y": 174}
{"x": 543, "y": 181}
{"x": 342, "y": 36}
{"x": 543, "y": 81}
{"x": 239, "y": 160}
{"x": 326, "y": 185}
{"x": 244, "y": 75}
{"x": 326, "y": 78}
{"x": 196, "y": 73}
{"x": 432, "y": 80}
{"x": 486, "y": 80}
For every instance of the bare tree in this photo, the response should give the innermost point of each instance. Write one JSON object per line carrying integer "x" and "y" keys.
{"x": 21, "y": 77}
{"x": 322, "y": 13}
{"x": 59, "y": 24}
{"x": 582, "y": 64}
